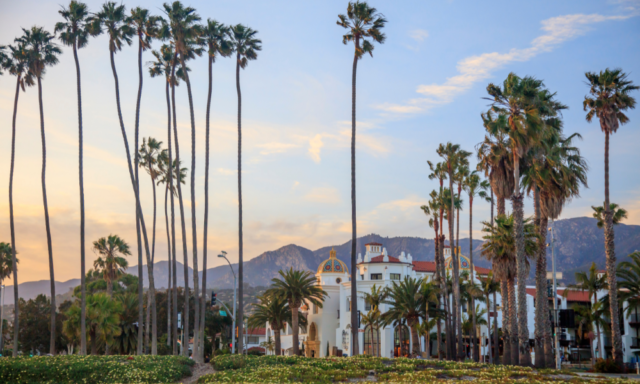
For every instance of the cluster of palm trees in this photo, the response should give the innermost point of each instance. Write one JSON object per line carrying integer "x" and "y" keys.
{"x": 184, "y": 39}
{"x": 524, "y": 150}
{"x": 281, "y": 303}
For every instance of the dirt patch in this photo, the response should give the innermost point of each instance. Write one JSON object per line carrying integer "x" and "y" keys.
{"x": 197, "y": 371}
{"x": 445, "y": 377}
{"x": 468, "y": 378}
{"x": 518, "y": 377}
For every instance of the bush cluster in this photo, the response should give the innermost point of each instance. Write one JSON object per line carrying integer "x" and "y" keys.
{"x": 606, "y": 366}
{"x": 94, "y": 369}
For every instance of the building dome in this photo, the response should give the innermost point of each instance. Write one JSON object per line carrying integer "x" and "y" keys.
{"x": 332, "y": 264}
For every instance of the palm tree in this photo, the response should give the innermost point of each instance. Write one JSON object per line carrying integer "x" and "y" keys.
{"x": 374, "y": 298}
{"x": 453, "y": 157}
{"x": 617, "y": 213}
{"x": 75, "y": 32}
{"x": 103, "y": 317}
{"x": 587, "y": 317}
{"x": 165, "y": 65}
{"x": 499, "y": 247}
{"x": 6, "y": 267}
{"x": 111, "y": 262}
{"x": 148, "y": 157}
{"x": 373, "y": 320}
{"x": 245, "y": 45}
{"x": 362, "y": 23}
{"x": 473, "y": 185}
{"x": 590, "y": 282}
{"x": 610, "y": 97}
{"x": 43, "y": 53}
{"x": 125, "y": 343}
{"x": 145, "y": 27}
{"x": 16, "y": 64}
{"x": 216, "y": 36}
{"x": 297, "y": 287}
{"x": 429, "y": 294}
{"x": 514, "y": 103}
{"x": 491, "y": 287}
{"x": 471, "y": 292}
{"x": 405, "y": 303}
{"x": 112, "y": 17}
{"x": 185, "y": 33}
{"x": 275, "y": 311}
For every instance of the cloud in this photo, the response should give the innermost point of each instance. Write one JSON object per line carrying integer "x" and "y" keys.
{"x": 324, "y": 195}
{"x": 419, "y": 35}
{"x": 315, "y": 145}
{"x": 225, "y": 171}
{"x": 296, "y": 184}
{"x": 474, "y": 69}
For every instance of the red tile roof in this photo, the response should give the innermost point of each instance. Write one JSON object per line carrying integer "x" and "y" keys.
{"x": 256, "y": 332}
{"x": 424, "y": 266}
{"x": 372, "y": 244}
{"x": 379, "y": 259}
{"x": 531, "y": 292}
{"x": 573, "y": 295}
{"x": 482, "y": 271}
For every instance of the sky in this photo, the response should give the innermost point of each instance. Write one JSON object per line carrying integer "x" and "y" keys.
{"x": 422, "y": 87}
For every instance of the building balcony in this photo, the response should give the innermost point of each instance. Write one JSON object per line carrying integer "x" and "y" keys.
{"x": 634, "y": 320}
{"x": 635, "y": 343}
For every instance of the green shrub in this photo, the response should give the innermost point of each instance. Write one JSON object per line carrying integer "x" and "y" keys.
{"x": 606, "y": 366}
{"x": 94, "y": 369}
{"x": 223, "y": 363}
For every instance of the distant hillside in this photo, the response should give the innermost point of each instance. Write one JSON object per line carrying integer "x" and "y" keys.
{"x": 579, "y": 242}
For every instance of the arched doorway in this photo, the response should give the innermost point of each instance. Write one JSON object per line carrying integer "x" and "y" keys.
{"x": 401, "y": 341}
{"x": 371, "y": 341}
{"x": 312, "y": 344}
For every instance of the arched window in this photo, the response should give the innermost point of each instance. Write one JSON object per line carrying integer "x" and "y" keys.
{"x": 312, "y": 332}
{"x": 401, "y": 341}
{"x": 371, "y": 341}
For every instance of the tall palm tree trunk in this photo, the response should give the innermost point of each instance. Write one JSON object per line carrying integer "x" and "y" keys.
{"x": 173, "y": 216}
{"x": 153, "y": 255}
{"x": 52, "y": 345}
{"x": 456, "y": 333}
{"x": 522, "y": 268}
{"x": 599, "y": 341}
{"x": 461, "y": 349}
{"x": 496, "y": 337}
{"x": 137, "y": 198}
{"x": 240, "y": 240}
{"x": 166, "y": 216}
{"x": 14, "y": 263}
{"x": 140, "y": 226}
{"x": 474, "y": 345}
{"x": 513, "y": 322}
{"x": 206, "y": 210}
{"x": 294, "y": 329}
{"x": 490, "y": 351}
{"x": 415, "y": 339}
{"x": 543, "y": 325}
{"x": 506, "y": 323}
{"x": 438, "y": 278}
{"x": 610, "y": 250}
{"x": 185, "y": 322}
{"x": 194, "y": 229}
{"x": 276, "y": 335}
{"x": 83, "y": 287}
{"x": 354, "y": 293}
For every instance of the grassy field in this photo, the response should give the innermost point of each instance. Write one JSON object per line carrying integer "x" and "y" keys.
{"x": 94, "y": 369}
{"x": 283, "y": 369}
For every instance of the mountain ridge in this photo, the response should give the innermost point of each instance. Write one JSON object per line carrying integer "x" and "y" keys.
{"x": 579, "y": 242}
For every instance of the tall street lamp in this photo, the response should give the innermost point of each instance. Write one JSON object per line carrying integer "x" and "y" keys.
{"x": 223, "y": 254}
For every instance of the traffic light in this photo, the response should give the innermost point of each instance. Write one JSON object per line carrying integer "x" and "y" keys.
{"x": 213, "y": 298}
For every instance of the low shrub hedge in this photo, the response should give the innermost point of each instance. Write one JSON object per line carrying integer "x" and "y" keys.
{"x": 606, "y": 366}
{"x": 94, "y": 369}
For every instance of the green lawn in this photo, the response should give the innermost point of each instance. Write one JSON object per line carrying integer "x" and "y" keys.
{"x": 282, "y": 369}
{"x": 94, "y": 369}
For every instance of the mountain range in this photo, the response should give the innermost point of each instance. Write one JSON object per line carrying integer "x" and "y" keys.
{"x": 578, "y": 243}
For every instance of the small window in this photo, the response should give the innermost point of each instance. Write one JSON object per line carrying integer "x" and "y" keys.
{"x": 315, "y": 309}
{"x": 361, "y": 277}
{"x": 253, "y": 340}
{"x": 376, "y": 276}
{"x": 367, "y": 306}
{"x": 395, "y": 276}
{"x": 338, "y": 313}
{"x": 338, "y": 280}
{"x": 348, "y": 305}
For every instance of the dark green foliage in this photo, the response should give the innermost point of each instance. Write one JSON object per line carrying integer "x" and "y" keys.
{"x": 606, "y": 366}
{"x": 229, "y": 362}
{"x": 94, "y": 369}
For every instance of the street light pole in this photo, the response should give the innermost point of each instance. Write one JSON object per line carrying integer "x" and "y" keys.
{"x": 235, "y": 287}
{"x": 555, "y": 299}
